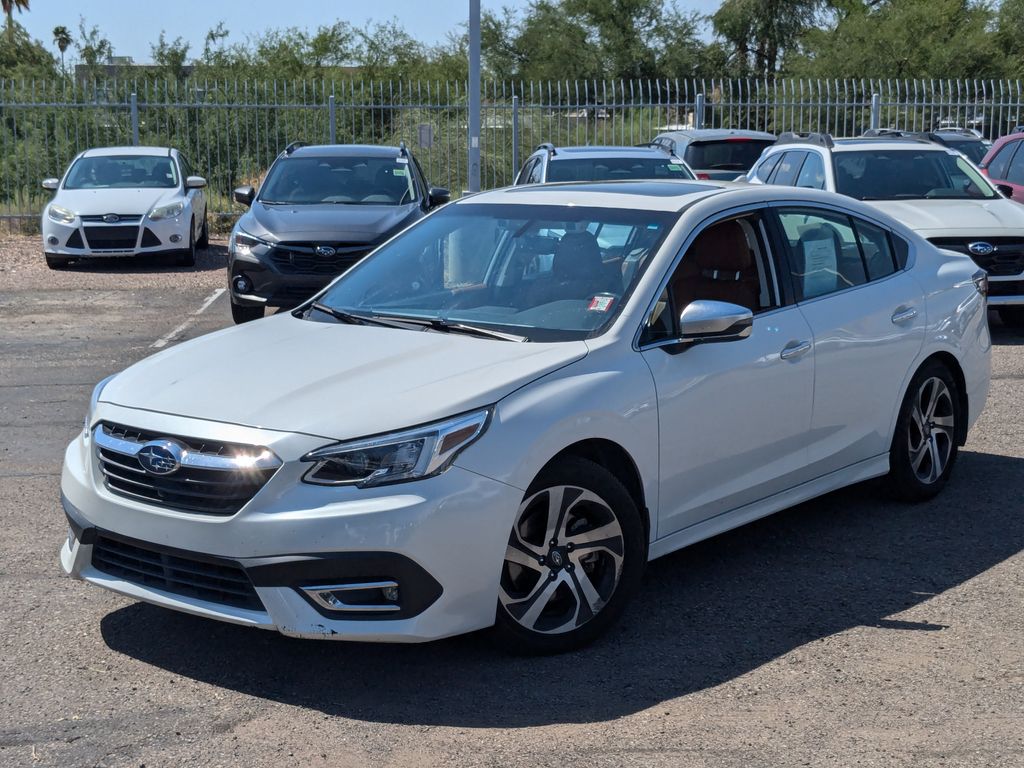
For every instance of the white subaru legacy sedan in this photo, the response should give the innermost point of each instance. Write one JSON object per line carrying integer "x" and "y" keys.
{"x": 125, "y": 201}
{"x": 505, "y": 411}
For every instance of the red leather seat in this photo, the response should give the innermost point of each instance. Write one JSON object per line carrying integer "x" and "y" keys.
{"x": 719, "y": 266}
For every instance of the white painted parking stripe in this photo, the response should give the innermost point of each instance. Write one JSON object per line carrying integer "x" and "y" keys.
{"x": 167, "y": 338}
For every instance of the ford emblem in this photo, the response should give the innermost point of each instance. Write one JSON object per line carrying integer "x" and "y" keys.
{"x": 980, "y": 248}
{"x": 160, "y": 457}
{"x": 325, "y": 250}
{"x": 111, "y": 218}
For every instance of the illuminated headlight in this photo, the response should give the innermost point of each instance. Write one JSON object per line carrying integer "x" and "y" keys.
{"x": 96, "y": 392}
{"x": 243, "y": 243}
{"x": 166, "y": 211}
{"x": 408, "y": 455}
{"x": 60, "y": 215}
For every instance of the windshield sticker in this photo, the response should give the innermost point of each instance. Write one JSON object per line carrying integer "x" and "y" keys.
{"x": 674, "y": 167}
{"x": 402, "y": 160}
{"x": 399, "y": 172}
{"x": 601, "y": 303}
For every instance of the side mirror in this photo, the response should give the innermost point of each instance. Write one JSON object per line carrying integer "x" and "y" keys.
{"x": 245, "y": 195}
{"x": 714, "y": 321}
{"x": 51, "y": 184}
{"x": 438, "y": 196}
{"x": 195, "y": 182}
{"x": 1006, "y": 189}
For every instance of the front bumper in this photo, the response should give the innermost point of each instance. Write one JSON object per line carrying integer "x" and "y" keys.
{"x": 283, "y": 276}
{"x": 131, "y": 236}
{"x": 441, "y": 540}
{"x": 1006, "y": 291}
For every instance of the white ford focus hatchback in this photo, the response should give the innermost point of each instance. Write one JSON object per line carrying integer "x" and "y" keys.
{"x": 502, "y": 413}
{"x": 125, "y": 201}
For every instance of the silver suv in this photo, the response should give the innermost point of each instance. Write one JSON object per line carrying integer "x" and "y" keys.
{"x": 549, "y": 164}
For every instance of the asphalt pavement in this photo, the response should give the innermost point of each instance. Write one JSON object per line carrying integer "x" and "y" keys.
{"x": 847, "y": 631}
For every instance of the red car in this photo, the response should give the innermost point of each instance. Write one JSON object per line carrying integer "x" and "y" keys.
{"x": 1004, "y": 162}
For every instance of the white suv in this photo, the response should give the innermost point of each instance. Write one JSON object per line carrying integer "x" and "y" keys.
{"x": 932, "y": 189}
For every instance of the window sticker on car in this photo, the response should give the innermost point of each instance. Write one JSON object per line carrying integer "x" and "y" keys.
{"x": 674, "y": 167}
{"x": 399, "y": 172}
{"x": 402, "y": 160}
{"x": 820, "y": 267}
{"x": 601, "y": 303}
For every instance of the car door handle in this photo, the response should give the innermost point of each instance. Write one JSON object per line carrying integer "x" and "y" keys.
{"x": 795, "y": 349}
{"x": 904, "y": 314}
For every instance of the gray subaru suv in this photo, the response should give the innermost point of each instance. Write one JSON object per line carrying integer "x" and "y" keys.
{"x": 320, "y": 210}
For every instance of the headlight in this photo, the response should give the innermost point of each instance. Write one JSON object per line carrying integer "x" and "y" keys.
{"x": 60, "y": 215}
{"x": 168, "y": 211}
{"x": 96, "y": 392}
{"x": 409, "y": 455}
{"x": 243, "y": 243}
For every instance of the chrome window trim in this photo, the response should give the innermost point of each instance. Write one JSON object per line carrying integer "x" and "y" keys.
{"x": 266, "y": 459}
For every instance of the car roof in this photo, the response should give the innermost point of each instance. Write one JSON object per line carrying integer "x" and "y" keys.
{"x": 712, "y": 134}
{"x": 344, "y": 150}
{"x": 569, "y": 153}
{"x": 849, "y": 145}
{"x": 111, "y": 151}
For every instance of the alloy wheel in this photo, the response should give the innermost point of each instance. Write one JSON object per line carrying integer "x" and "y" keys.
{"x": 931, "y": 434}
{"x": 564, "y": 560}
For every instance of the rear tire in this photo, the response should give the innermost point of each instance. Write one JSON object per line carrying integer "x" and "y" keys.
{"x": 188, "y": 258}
{"x": 57, "y": 262}
{"x": 1012, "y": 317}
{"x": 574, "y": 559}
{"x": 925, "y": 443}
{"x": 243, "y": 313}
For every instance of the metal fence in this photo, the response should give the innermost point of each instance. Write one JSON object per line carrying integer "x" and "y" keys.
{"x": 232, "y": 130}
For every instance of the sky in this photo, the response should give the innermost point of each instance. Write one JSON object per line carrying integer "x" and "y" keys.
{"x": 133, "y": 25}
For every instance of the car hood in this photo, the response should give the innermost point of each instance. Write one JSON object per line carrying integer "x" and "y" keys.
{"x": 95, "y": 202}
{"x": 332, "y": 223}
{"x": 332, "y": 380}
{"x": 933, "y": 218}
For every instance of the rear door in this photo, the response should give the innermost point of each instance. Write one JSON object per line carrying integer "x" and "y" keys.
{"x": 867, "y": 318}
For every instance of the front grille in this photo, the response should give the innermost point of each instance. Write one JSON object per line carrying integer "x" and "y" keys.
{"x": 214, "y": 478}
{"x": 302, "y": 258}
{"x": 75, "y": 241}
{"x": 212, "y": 580}
{"x": 122, "y": 218}
{"x": 1006, "y": 288}
{"x": 1006, "y": 259}
{"x": 111, "y": 238}
{"x": 149, "y": 240}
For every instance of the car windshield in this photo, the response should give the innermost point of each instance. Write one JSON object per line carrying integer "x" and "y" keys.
{"x": 123, "y": 172}
{"x": 547, "y": 273}
{"x": 341, "y": 180}
{"x": 908, "y": 174}
{"x": 610, "y": 168}
{"x": 726, "y": 155}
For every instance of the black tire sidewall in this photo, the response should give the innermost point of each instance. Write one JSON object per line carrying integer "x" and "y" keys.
{"x": 1012, "y": 317}
{"x": 243, "y": 313}
{"x": 576, "y": 471}
{"x": 902, "y": 480}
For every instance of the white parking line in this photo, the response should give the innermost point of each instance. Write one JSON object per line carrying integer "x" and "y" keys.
{"x": 167, "y": 338}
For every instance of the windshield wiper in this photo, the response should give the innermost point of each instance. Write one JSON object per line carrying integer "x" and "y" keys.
{"x": 447, "y": 326}
{"x": 353, "y": 319}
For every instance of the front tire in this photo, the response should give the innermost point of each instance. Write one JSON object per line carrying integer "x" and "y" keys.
{"x": 188, "y": 258}
{"x": 925, "y": 444}
{"x": 243, "y": 313}
{"x": 57, "y": 262}
{"x": 1012, "y": 317}
{"x": 574, "y": 558}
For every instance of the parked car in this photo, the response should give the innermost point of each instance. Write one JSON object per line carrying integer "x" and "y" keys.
{"x": 931, "y": 189}
{"x": 715, "y": 153}
{"x": 493, "y": 419}
{"x": 125, "y": 201}
{"x": 320, "y": 210}
{"x": 967, "y": 142}
{"x": 549, "y": 163}
{"x": 1004, "y": 163}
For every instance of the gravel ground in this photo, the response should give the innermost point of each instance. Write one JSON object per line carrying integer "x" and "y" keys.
{"x": 847, "y": 631}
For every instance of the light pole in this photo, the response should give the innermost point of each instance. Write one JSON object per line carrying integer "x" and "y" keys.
{"x": 474, "y": 95}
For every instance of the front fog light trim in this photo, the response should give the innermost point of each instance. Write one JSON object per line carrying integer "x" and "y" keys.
{"x": 330, "y": 597}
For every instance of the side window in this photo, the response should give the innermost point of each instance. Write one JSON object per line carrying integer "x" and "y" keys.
{"x": 787, "y": 169}
{"x": 875, "y": 248}
{"x": 186, "y": 168}
{"x": 824, "y": 255}
{"x": 536, "y": 175}
{"x": 812, "y": 174}
{"x": 997, "y": 168}
{"x": 902, "y": 251}
{"x": 524, "y": 172}
{"x": 728, "y": 261}
{"x": 767, "y": 165}
{"x": 1015, "y": 172}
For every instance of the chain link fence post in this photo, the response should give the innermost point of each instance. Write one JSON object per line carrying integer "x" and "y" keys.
{"x": 135, "y": 120}
{"x": 876, "y": 111}
{"x": 332, "y": 119}
{"x": 698, "y": 111}
{"x": 515, "y": 135}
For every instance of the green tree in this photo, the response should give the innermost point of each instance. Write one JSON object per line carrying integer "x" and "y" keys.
{"x": 1009, "y": 36}
{"x": 95, "y": 50}
{"x": 8, "y": 9}
{"x": 758, "y": 33}
{"x": 170, "y": 56}
{"x": 62, "y": 39}
{"x": 22, "y": 56}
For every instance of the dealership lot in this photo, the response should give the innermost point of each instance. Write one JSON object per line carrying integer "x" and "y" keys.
{"x": 848, "y": 630}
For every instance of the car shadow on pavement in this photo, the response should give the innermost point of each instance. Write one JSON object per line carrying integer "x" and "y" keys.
{"x": 214, "y": 257}
{"x": 705, "y": 616}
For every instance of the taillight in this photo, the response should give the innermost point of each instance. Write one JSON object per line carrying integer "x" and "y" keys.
{"x": 980, "y": 279}
{"x": 703, "y": 176}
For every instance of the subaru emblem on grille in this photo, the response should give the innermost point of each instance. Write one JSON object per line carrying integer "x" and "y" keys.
{"x": 160, "y": 457}
{"x": 325, "y": 250}
{"x": 981, "y": 248}
{"x": 111, "y": 218}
